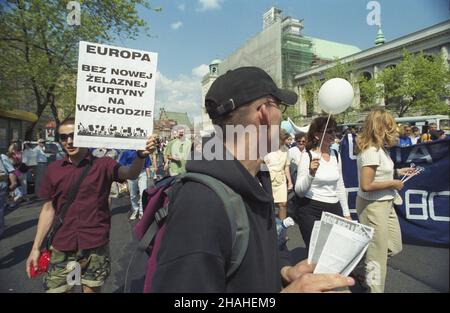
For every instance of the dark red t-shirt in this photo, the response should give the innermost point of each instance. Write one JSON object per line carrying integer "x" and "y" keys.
{"x": 88, "y": 220}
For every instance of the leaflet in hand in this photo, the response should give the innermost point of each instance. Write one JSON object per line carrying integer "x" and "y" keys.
{"x": 337, "y": 244}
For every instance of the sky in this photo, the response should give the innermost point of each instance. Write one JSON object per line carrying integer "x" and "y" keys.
{"x": 189, "y": 34}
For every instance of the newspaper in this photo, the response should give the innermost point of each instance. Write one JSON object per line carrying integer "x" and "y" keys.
{"x": 337, "y": 244}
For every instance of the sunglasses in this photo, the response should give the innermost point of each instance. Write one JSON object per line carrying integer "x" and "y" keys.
{"x": 301, "y": 141}
{"x": 65, "y": 137}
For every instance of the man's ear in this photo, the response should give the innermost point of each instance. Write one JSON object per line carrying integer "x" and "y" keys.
{"x": 263, "y": 115}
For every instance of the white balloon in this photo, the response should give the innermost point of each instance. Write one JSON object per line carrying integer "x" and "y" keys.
{"x": 336, "y": 95}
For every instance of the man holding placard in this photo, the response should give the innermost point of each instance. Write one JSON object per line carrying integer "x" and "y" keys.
{"x": 84, "y": 234}
{"x": 115, "y": 89}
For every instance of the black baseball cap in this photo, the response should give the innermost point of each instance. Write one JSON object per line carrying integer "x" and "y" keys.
{"x": 241, "y": 86}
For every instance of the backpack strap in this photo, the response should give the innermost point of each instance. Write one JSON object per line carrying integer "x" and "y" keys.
{"x": 237, "y": 215}
{"x": 336, "y": 154}
{"x": 310, "y": 155}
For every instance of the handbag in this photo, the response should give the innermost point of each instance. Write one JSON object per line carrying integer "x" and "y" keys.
{"x": 23, "y": 167}
{"x": 44, "y": 258}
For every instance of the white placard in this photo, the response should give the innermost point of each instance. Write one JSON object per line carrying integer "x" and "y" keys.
{"x": 115, "y": 97}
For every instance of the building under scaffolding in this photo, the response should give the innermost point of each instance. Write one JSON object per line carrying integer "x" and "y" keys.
{"x": 282, "y": 50}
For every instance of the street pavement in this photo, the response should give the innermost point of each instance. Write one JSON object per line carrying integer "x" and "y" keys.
{"x": 416, "y": 269}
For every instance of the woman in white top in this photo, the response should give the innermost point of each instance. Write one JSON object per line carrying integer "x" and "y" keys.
{"x": 377, "y": 190}
{"x": 319, "y": 183}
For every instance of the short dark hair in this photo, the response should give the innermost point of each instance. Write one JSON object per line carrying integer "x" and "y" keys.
{"x": 69, "y": 120}
{"x": 299, "y": 136}
{"x": 317, "y": 126}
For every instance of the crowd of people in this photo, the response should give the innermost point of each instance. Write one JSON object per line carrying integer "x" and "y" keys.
{"x": 301, "y": 179}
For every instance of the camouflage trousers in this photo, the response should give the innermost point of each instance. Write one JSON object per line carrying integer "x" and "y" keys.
{"x": 89, "y": 267}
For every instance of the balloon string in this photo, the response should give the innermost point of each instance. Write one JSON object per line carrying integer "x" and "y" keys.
{"x": 323, "y": 135}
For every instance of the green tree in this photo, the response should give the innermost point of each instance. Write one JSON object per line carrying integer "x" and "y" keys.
{"x": 39, "y": 49}
{"x": 340, "y": 70}
{"x": 309, "y": 93}
{"x": 370, "y": 91}
{"x": 417, "y": 84}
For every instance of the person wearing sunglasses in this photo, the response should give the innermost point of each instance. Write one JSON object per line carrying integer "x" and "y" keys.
{"x": 84, "y": 234}
{"x": 319, "y": 183}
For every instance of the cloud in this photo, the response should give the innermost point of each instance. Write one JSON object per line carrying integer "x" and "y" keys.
{"x": 200, "y": 70}
{"x": 183, "y": 94}
{"x": 176, "y": 25}
{"x": 206, "y": 5}
{"x": 181, "y": 7}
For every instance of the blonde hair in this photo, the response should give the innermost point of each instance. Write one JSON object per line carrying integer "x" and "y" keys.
{"x": 379, "y": 129}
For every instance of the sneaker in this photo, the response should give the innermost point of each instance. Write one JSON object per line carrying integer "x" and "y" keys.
{"x": 133, "y": 216}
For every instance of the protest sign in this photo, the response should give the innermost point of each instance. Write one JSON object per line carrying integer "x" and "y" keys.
{"x": 115, "y": 97}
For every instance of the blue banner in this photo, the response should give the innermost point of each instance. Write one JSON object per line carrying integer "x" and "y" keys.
{"x": 424, "y": 214}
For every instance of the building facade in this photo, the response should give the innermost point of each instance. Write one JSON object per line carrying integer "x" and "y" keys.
{"x": 168, "y": 120}
{"x": 431, "y": 41}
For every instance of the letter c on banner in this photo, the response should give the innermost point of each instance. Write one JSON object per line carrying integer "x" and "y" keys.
{"x": 431, "y": 206}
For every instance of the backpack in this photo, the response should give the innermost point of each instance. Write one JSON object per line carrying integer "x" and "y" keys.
{"x": 151, "y": 228}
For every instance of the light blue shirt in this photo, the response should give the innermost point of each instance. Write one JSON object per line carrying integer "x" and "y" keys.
{"x": 40, "y": 155}
{"x": 7, "y": 164}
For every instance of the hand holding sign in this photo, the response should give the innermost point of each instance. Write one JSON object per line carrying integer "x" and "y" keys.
{"x": 335, "y": 96}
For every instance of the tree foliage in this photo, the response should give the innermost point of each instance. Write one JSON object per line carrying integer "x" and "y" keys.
{"x": 39, "y": 49}
{"x": 418, "y": 83}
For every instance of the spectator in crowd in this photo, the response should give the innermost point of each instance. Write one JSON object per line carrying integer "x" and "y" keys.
{"x": 337, "y": 142}
{"x": 12, "y": 181}
{"x": 278, "y": 165}
{"x": 426, "y": 136}
{"x": 295, "y": 153}
{"x": 376, "y": 194}
{"x": 415, "y": 135}
{"x": 136, "y": 186}
{"x": 41, "y": 166}
{"x": 195, "y": 252}
{"x": 168, "y": 153}
{"x": 178, "y": 153}
{"x": 319, "y": 181}
{"x": 404, "y": 132}
{"x": 20, "y": 170}
{"x": 158, "y": 159}
{"x": 437, "y": 134}
{"x": 84, "y": 234}
{"x": 5, "y": 169}
{"x": 29, "y": 159}
{"x": 289, "y": 142}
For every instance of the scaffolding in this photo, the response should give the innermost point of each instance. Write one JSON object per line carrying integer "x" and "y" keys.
{"x": 297, "y": 56}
